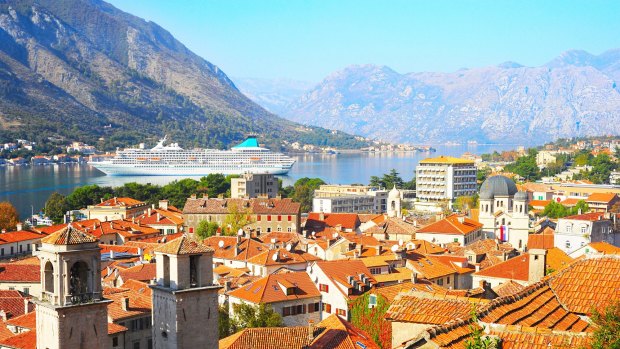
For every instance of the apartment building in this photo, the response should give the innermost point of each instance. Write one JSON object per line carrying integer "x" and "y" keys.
{"x": 445, "y": 178}
{"x": 254, "y": 185}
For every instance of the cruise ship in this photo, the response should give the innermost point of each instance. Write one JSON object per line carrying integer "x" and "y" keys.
{"x": 172, "y": 160}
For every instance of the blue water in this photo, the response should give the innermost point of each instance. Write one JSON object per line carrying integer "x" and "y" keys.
{"x": 28, "y": 187}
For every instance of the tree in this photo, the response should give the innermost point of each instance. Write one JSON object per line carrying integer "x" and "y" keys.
{"x": 225, "y": 324}
{"x": 88, "y": 195}
{"x": 464, "y": 203}
{"x": 557, "y": 210}
{"x": 477, "y": 340}
{"x": 303, "y": 192}
{"x": 371, "y": 319}
{"x": 206, "y": 229}
{"x": 250, "y": 316}
{"x": 525, "y": 166}
{"x": 607, "y": 332}
{"x": 55, "y": 207}
{"x": 8, "y": 216}
{"x": 237, "y": 218}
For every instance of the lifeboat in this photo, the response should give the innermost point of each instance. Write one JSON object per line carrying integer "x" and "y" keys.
{"x": 141, "y": 159}
{"x": 155, "y": 159}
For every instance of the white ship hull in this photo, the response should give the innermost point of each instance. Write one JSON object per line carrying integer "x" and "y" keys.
{"x": 182, "y": 170}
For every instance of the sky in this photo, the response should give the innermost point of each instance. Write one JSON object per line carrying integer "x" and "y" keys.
{"x": 307, "y": 40}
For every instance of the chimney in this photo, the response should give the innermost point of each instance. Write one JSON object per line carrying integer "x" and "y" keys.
{"x": 227, "y": 285}
{"x": 193, "y": 196}
{"x": 158, "y": 217}
{"x": 414, "y": 277}
{"x": 379, "y": 248}
{"x": 3, "y": 231}
{"x": 153, "y": 206}
{"x": 537, "y": 264}
{"x": 26, "y": 308}
{"x": 111, "y": 254}
{"x": 102, "y": 200}
{"x": 310, "y": 331}
{"x": 163, "y": 204}
{"x": 149, "y": 212}
{"x": 19, "y": 226}
{"x": 321, "y": 216}
{"x": 125, "y": 303}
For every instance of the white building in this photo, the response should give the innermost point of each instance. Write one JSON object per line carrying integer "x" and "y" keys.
{"x": 333, "y": 198}
{"x": 575, "y": 232}
{"x": 504, "y": 211}
{"x": 445, "y": 178}
{"x": 252, "y": 185}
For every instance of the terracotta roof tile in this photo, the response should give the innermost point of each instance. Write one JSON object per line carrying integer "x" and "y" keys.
{"x": 115, "y": 328}
{"x": 430, "y": 308}
{"x": 255, "y": 205}
{"x": 539, "y": 203}
{"x": 605, "y": 247}
{"x": 336, "y": 333}
{"x": 516, "y": 268}
{"x": 452, "y": 225}
{"x": 518, "y": 337}
{"x": 247, "y": 248}
{"x": 588, "y": 283}
{"x": 24, "y": 340}
{"x": 602, "y": 197}
{"x": 267, "y": 338}
{"x": 139, "y": 302}
{"x": 427, "y": 267}
{"x": 140, "y": 272}
{"x": 271, "y": 288}
{"x": 20, "y": 272}
{"x": 540, "y": 241}
{"x": 27, "y": 321}
{"x": 69, "y": 236}
{"x": 390, "y": 292}
{"x": 346, "y": 220}
{"x": 19, "y": 236}
{"x": 183, "y": 245}
{"x": 122, "y": 202}
{"x": 340, "y": 270}
{"x": 284, "y": 257}
{"x": 592, "y": 216}
{"x": 13, "y": 303}
{"x": 557, "y": 259}
{"x": 508, "y": 288}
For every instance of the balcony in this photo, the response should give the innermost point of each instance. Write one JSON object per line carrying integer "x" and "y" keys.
{"x": 80, "y": 298}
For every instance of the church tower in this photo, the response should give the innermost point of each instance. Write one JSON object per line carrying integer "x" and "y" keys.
{"x": 71, "y": 313}
{"x": 394, "y": 203}
{"x": 185, "y": 307}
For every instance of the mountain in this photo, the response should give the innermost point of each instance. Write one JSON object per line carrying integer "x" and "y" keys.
{"x": 272, "y": 94}
{"x": 502, "y": 104}
{"x": 84, "y": 70}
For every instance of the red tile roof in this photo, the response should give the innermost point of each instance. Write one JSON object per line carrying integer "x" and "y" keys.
{"x": 605, "y": 248}
{"x": 121, "y": 202}
{"x": 271, "y": 289}
{"x": 255, "y": 206}
{"x": 508, "y": 288}
{"x": 592, "y": 216}
{"x": 516, "y": 268}
{"x": 140, "y": 272}
{"x": 24, "y": 340}
{"x": 340, "y": 270}
{"x": 184, "y": 245}
{"x": 13, "y": 303}
{"x": 267, "y": 338}
{"x": 11, "y": 272}
{"x": 588, "y": 283}
{"x": 430, "y": 308}
{"x": 539, "y": 203}
{"x": 19, "y": 236}
{"x": 27, "y": 321}
{"x": 337, "y": 333}
{"x": 139, "y": 301}
{"x": 284, "y": 257}
{"x": 452, "y": 225}
{"x": 540, "y": 241}
{"x": 519, "y": 337}
{"x": 69, "y": 236}
{"x": 346, "y": 220}
{"x": 602, "y": 197}
{"x": 115, "y": 328}
{"x": 247, "y": 248}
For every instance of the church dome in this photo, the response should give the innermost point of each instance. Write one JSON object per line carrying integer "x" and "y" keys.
{"x": 497, "y": 186}
{"x": 521, "y": 196}
{"x": 394, "y": 193}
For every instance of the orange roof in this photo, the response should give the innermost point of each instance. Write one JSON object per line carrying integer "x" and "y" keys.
{"x": 13, "y": 303}
{"x": 602, "y": 197}
{"x": 255, "y": 206}
{"x": 140, "y": 272}
{"x": 346, "y": 220}
{"x": 11, "y": 272}
{"x": 19, "y": 236}
{"x": 27, "y": 321}
{"x": 605, "y": 247}
{"x": 508, "y": 288}
{"x": 122, "y": 202}
{"x": 426, "y": 247}
{"x": 428, "y": 268}
{"x": 540, "y": 241}
{"x": 24, "y": 340}
{"x": 340, "y": 270}
{"x": 340, "y": 334}
{"x": 453, "y": 224}
{"x": 246, "y": 248}
{"x": 587, "y": 283}
{"x": 48, "y": 230}
{"x": 115, "y": 328}
{"x": 536, "y": 305}
{"x": 272, "y": 288}
{"x": 519, "y": 337}
{"x": 390, "y": 292}
{"x": 557, "y": 259}
{"x": 539, "y": 203}
{"x": 160, "y": 217}
{"x": 69, "y": 236}
{"x": 267, "y": 338}
{"x": 139, "y": 295}
{"x": 430, "y": 308}
{"x": 183, "y": 245}
{"x": 592, "y": 216}
{"x": 285, "y": 257}
{"x": 516, "y": 268}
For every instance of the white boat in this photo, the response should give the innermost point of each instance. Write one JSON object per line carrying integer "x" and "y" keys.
{"x": 172, "y": 160}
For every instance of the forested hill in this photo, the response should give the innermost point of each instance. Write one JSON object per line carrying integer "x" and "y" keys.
{"x": 84, "y": 70}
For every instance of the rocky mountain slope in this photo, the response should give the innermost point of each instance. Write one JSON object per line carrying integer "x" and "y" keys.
{"x": 272, "y": 94}
{"x": 504, "y": 103}
{"x": 84, "y": 70}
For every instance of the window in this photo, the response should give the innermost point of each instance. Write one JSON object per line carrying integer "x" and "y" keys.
{"x": 327, "y": 308}
{"x": 136, "y": 345}
{"x": 26, "y": 290}
{"x": 323, "y": 288}
{"x": 115, "y": 342}
{"x": 269, "y": 218}
{"x": 440, "y": 282}
{"x": 341, "y": 312}
{"x": 290, "y": 218}
{"x": 584, "y": 229}
{"x": 448, "y": 280}
{"x": 149, "y": 343}
{"x": 569, "y": 228}
{"x": 372, "y": 301}
{"x": 258, "y": 217}
{"x": 289, "y": 229}
{"x": 312, "y": 307}
{"x": 456, "y": 240}
{"x": 567, "y": 244}
{"x": 279, "y": 218}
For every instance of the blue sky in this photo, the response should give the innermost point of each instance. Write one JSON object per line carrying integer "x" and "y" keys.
{"x": 307, "y": 40}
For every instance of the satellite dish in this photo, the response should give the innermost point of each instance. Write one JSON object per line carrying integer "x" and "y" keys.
{"x": 221, "y": 243}
{"x": 240, "y": 232}
{"x": 394, "y": 248}
{"x": 400, "y": 242}
{"x": 289, "y": 247}
{"x": 275, "y": 257}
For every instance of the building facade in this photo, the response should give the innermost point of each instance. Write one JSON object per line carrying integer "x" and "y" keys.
{"x": 445, "y": 178}
{"x": 252, "y": 185}
{"x": 333, "y": 198}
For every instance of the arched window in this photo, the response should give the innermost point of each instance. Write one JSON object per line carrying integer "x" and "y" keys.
{"x": 78, "y": 279}
{"x": 166, "y": 271}
{"x": 49, "y": 277}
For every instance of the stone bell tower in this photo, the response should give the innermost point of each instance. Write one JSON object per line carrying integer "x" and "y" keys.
{"x": 185, "y": 307}
{"x": 71, "y": 312}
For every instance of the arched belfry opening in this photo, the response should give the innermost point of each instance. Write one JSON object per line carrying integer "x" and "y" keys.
{"x": 48, "y": 271}
{"x": 78, "y": 281}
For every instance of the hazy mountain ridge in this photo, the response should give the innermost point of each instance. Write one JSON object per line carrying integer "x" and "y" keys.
{"x": 69, "y": 67}
{"x": 273, "y": 94}
{"x": 503, "y": 103}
